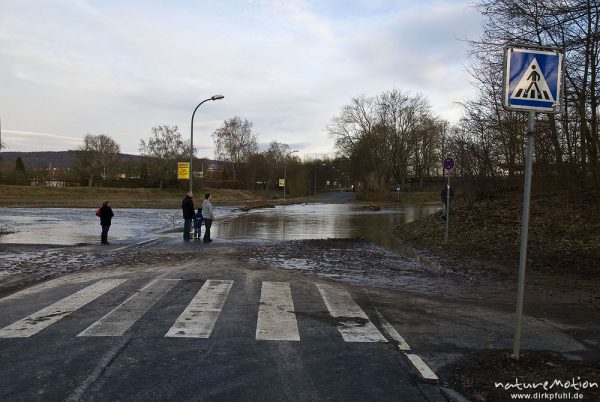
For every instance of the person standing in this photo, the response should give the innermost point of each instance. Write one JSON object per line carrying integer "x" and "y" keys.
{"x": 208, "y": 214}
{"x": 198, "y": 223}
{"x": 187, "y": 207}
{"x": 106, "y": 215}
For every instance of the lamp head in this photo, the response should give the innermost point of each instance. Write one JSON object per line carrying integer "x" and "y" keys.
{"x": 217, "y": 97}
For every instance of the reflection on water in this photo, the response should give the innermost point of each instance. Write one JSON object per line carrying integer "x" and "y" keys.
{"x": 320, "y": 221}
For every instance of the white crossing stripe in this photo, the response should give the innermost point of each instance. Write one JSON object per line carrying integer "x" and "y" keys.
{"x": 424, "y": 371}
{"x": 355, "y": 325}
{"x": 389, "y": 328}
{"x": 200, "y": 316}
{"x": 44, "y": 318}
{"x": 276, "y": 316}
{"x": 122, "y": 317}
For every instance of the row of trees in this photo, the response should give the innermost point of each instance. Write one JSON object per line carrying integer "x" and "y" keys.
{"x": 240, "y": 165}
{"x": 389, "y": 138}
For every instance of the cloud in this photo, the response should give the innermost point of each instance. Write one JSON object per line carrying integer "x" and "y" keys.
{"x": 21, "y": 140}
{"x": 77, "y": 67}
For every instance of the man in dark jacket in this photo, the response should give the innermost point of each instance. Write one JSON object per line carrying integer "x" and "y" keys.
{"x": 187, "y": 207}
{"x": 106, "y": 214}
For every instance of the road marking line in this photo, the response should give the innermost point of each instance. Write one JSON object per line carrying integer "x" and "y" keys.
{"x": 276, "y": 317}
{"x": 122, "y": 317}
{"x": 44, "y": 318}
{"x": 200, "y": 316}
{"x": 389, "y": 328}
{"x": 355, "y": 326}
{"x": 424, "y": 371}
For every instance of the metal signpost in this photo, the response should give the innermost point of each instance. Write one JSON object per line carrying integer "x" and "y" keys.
{"x": 448, "y": 166}
{"x": 533, "y": 80}
{"x": 398, "y": 191}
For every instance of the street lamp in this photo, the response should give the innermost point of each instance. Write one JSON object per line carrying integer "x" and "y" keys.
{"x": 213, "y": 98}
{"x": 285, "y": 171}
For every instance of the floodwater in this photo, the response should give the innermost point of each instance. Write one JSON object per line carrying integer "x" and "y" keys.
{"x": 67, "y": 226}
{"x": 321, "y": 221}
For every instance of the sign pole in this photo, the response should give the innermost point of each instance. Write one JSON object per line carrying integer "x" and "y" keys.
{"x": 533, "y": 80}
{"x": 448, "y": 166}
{"x": 524, "y": 234}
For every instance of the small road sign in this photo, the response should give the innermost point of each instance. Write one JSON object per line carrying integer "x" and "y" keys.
{"x": 448, "y": 164}
{"x": 183, "y": 170}
{"x": 533, "y": 79}
{"x": 281, "y": 182}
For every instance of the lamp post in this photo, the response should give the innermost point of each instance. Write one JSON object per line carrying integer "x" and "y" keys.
{"x": 285, "y": 171}
{"x": 213, "y": 98}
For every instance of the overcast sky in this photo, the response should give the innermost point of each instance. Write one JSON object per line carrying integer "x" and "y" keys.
{"x": 116, "y": 67}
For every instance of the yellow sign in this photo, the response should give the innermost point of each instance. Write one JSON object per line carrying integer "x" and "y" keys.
{"x": 183, "y": 170}
{"x": 281, "y": 182}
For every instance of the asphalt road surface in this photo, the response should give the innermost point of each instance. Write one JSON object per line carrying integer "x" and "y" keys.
{"x": 160, "y": 319}
{"x": 206, "y": 330}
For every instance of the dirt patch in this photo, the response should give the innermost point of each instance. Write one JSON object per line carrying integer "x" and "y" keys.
{"x": 492, "y": 375}
{"x": 25, "y": 265}
{"x": 256, "y": 205}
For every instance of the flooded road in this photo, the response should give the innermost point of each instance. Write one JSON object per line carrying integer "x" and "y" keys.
{"x": 321, "y": 221}
{"x": 67, "y": 226}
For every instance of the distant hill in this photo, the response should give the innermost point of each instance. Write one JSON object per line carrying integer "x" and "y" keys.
{"x": 59, "y": 159}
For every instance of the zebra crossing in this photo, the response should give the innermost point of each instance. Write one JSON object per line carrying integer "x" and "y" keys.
{"x": 276, "y": 321}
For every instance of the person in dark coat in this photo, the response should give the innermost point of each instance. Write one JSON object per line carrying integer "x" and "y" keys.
{"x": 106, "y": 215}
{"x": 187, "y": 207}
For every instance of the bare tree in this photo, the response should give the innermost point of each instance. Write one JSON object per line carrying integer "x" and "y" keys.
{"x": 234, "y": 142}
{"x": 166, "y": 146}
{"x": 389, "y": 136}
{"x": 97, "y": 155}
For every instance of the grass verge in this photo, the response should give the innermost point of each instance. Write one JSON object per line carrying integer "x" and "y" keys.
{"x": 92, "y": 197}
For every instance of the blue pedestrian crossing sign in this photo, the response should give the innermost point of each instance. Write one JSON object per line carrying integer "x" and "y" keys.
{"x": 533, "y": 79}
